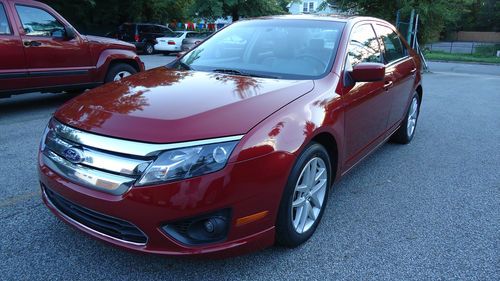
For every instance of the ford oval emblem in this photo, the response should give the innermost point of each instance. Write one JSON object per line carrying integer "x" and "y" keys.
{"x": 74, "y": 155}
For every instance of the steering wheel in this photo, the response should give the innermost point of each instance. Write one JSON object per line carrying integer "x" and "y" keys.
{"x": 314, "y": 59}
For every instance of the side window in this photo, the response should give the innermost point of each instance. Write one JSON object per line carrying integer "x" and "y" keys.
{"x": 156, "y": 29}
{"x": 393, "y": 47}
{"x": 145, "y": 29}
{"x": 4, "y": 23}
{"x": 165, "y": 30}
{"x": 37, "y": 22}
{"x": 363, "y": 46}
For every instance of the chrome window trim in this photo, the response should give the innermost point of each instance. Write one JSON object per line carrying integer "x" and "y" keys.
{"x": 91, "y": 229}
{"x": 127, "y": 146}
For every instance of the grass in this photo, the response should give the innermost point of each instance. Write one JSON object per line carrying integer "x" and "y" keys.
{"x": 441, "y": 56}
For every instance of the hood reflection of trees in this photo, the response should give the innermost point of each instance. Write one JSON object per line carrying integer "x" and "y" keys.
{"x": 121, "y": 97}
{"x": 245, "y": 86}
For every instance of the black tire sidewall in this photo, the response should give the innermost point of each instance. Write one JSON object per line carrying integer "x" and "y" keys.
{"x": 285, "y": 232}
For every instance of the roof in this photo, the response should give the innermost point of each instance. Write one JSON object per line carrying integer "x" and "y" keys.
{"x": 337, "y": 18}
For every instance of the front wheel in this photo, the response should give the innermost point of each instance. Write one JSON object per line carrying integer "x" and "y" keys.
{"x": 305, "y": 197}
{"x": 406, "y": 131}
{"x": 119, "y": 71}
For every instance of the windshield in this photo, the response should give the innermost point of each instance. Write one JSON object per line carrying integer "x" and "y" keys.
{"x": 279, "y": 48}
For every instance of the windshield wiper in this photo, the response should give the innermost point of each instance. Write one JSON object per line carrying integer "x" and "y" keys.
{"x": 185, "y": 65}
{"x": 241, "y": 73}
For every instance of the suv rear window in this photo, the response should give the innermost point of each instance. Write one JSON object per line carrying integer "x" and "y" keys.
{"x": 4, "y": 23}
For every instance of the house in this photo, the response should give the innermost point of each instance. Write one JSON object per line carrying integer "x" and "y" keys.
{"x": 311, "y": 7}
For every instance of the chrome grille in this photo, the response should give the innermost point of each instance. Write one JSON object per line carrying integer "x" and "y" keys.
{"x": 109, "y": 171}
{"x": 106, "y": 164}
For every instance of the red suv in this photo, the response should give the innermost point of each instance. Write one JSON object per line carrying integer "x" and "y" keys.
{"x": 41, "y": 51}
{"x": 236, "y": 144}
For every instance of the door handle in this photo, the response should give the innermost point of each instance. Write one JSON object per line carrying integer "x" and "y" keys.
{"x": 388, "y": 84}
{"x": 413, "y": 71}
{"x": 31, "y": 43}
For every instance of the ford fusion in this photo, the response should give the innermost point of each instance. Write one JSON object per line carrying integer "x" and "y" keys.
{"x": 235, "y": 145}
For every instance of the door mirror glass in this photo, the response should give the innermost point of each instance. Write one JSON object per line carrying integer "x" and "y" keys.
{"x": 368, "y": 72}
{"x": 69, "y": 32}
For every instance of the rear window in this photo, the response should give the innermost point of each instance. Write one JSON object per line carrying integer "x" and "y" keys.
{"x": 4, "y": 23}
{"x": 198, "y": 35}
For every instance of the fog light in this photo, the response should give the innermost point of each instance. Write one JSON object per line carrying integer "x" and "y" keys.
{"x": 200, "y": 230}
{"x": 209, "y": 226}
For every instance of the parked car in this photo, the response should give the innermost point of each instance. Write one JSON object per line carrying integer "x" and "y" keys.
{"x": 235, "y": 145}
{"x": 171, "y": 42}
{"x": 142, "y": 35}
{"x": 193, "y": 39}
{"x": 41, "y": 51}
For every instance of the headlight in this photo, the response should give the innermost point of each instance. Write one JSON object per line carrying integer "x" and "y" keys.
{"x": 187, "y": 163}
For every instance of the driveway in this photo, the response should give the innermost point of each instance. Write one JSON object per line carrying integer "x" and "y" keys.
{"x": 426, "y": 211}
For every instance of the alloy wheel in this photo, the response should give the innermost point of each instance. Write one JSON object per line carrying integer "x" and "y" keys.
{"x": 412, "y": 117}
{"x": 309, "y": 195}
{"x": 120, "y": 75}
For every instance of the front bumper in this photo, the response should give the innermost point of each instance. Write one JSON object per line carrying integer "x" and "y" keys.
{"x": 245, "y": 188}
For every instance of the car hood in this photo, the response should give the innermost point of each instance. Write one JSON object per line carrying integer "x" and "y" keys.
{"x": 110, "y": 42}
{"x": 164, "y": 106}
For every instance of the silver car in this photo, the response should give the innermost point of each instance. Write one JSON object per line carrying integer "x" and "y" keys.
{"x": 193, "y": 39}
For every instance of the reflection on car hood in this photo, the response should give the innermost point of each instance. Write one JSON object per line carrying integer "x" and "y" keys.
{"x": 164, "y": 106}
{"x": 109, "y": 41}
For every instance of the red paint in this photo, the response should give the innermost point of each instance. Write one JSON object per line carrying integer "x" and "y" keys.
{"x": 90, "y": 54}
{"x": 368, "y": 72}
{"x": 277, "y": 117}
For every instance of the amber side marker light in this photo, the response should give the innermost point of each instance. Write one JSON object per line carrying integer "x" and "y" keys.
{"x": 251, "y": 218}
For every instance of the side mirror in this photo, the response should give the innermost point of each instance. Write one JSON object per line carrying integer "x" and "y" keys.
{"x": 368, "y": 72}
{"x": 70, "y": 33}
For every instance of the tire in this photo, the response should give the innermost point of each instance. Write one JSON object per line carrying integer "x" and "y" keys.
{"x": 405, "y": 134}
{"x": 149, "y": 49}
{"x": 290, "y": 231}
{"x": 120, "y": 69}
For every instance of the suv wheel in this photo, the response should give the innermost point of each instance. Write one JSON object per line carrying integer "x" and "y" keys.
{"x": 119, "y": 71}
{"x": 305, "y": 197}
{"x": 149, "y": 49}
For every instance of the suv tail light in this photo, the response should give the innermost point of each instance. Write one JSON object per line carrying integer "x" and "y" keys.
{"x": 136, "y": 38}
{"x": 171, "y": 42}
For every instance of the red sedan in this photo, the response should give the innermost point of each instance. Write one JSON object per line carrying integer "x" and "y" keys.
{"x": 235, "y": 145}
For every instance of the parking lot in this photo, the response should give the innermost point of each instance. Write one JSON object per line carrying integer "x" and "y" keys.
{"x": 426, "y": 211}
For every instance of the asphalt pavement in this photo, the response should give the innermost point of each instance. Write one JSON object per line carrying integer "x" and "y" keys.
{"x": 425, "y": 211}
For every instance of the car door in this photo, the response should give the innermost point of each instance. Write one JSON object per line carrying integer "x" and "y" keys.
{"x": 13, "y": 70}
{"x": 52, "y": 59}
{"x": 366, "y": 104}
{"x": 400, "y": 72}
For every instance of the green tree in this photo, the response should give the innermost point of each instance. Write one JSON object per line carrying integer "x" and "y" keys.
{"x": 99, "y": 16}
{"x": 237, "y": 8}
{"x": 435, "y": 15}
